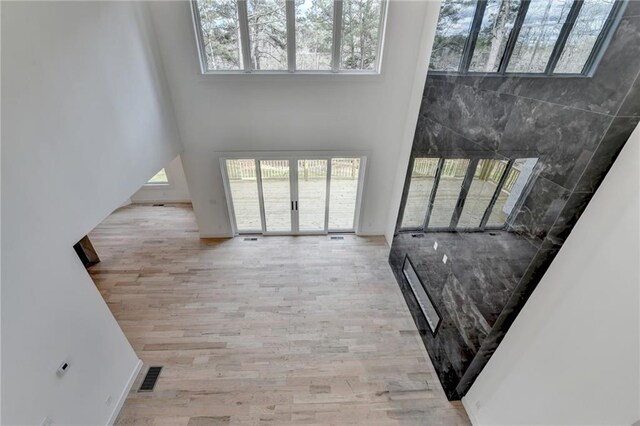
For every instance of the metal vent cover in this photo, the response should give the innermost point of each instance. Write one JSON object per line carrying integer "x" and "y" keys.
{"x": 150, "y": 379}
{"x": 337, "y": 238}
{"x": 251, "y": 239}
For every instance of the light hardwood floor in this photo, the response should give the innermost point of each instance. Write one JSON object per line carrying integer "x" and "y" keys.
{"x": 280, "y": 331}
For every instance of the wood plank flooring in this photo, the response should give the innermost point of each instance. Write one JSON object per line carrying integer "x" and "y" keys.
{"x": 279, "y": 331}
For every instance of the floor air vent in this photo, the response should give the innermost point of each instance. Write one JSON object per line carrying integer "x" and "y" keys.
{"x": 337, "y": 238}
{"x": 150, "y": 379}
{"x": 251, "y": 239}
{"x": 158, "y": 205}
{"x": 417, "y": 235}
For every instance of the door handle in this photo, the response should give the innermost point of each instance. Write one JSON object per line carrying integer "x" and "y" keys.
{"x": 296, "y": 205}
{"x": 292, "y": 205}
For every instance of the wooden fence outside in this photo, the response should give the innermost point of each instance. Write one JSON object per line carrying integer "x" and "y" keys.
{"x": 341, "y": 168}
{"x": 490, "y": 171}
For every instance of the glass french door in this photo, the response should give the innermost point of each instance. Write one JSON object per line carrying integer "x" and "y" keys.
{"x": 311, "y": 201}
{"x": 283, "y": 196}
{"x": 275, "y": 186}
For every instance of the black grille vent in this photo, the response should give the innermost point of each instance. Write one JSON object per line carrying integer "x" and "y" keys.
{"x": 251, "y": 239}
{"x": 158, "y": 205}
{"x": 337, "y": 238}
{"x": 417, "y": 235}
{"x": 150, "y": 379}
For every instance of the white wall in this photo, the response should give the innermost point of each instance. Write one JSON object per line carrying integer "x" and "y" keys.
{"x": 404, "y": 148}
{"x": 218, "y": 113}
{"x": 85, "y": 121}
{"x": 176, "y": 192}
{"x": 572, "y": 357}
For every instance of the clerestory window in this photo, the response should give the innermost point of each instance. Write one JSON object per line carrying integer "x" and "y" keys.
{"x": 537, "y": 37}
{"x": 320, "y": 36}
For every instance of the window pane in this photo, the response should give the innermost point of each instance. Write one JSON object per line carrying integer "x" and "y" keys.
{"x": 422, "y": 176}
{"x": 360, "y": 29}
{"x": 448, "y": 191}
{"x": 498, "y": 20}
{"x": 276, "y": 195}
{"x": 585, "y": 32}
{"x": 343, "y": 192}
{"x": 244, "y": 194}
{"x": 451, "y": 34}
{"x": 512, "y": 190}
{"x": 160, "y": 177}
{"x": 220, "y": 34}
{"x": 483, "y": 186}
{"x": 312, "y": 194}
{"x": 314, "y": 34}
{"x": 268, "y": 34}
{"x": 538, "y": 35}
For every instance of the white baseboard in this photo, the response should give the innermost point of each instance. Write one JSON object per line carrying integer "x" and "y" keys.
{"x": 470, "y": 412}
{"x": 370, "y": 234}
{"x": 216, "y": 236}
{"x": 125, "y": 393}
{"x": 168, "y": 201}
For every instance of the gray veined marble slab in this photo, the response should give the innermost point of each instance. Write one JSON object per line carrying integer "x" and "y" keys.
{"x": 563, "y": 137}
{"x": 478, "y": 115}
{"x": 575, "y": 127}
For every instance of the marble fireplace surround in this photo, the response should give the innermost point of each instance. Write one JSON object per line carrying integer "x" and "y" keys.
{"x": 576, "y": 126}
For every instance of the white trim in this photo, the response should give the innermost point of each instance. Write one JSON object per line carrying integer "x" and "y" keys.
{"x": 384, "y": 6}
{"x": 228, "y": 195}
{"x": 336, "y": 47}
{"x": 290, "y": 17}
{"x": 195, "y": 14}
{"x": 124, "y": 394}
{"x": 327, "y": 195}
{"x": 244, "y": 42}
{"x": 157, "y": 185}
{"x": 293, "y": 191}
{"x": 219, "y": 236}
{"x": 470, "y": 412}
{"x": 305, "y": 155}
{"x": 263, "y": 215}
{"x": 170, "y": 201}
{"x": 361, "y": 187}
{"x": 343, "y": 72}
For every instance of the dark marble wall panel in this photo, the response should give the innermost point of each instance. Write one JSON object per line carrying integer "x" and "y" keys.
{"x": 606, "y": 153}
{"x": 576, "y": 127}
{"x": 483, "y": 294}
{"x": 604, "y": 92}
{"x": 539, "y": 210}
{"x": 435, "y": 139}
{"x": 478, "y": 115}
{"x": 631, "y": 104}
{"x": 563, "y": 138}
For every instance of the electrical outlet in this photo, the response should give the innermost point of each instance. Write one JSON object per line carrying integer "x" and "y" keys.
{"x": 64, "y": 367}
{"x": 46, "y": 421}
{"x": 444, "y": 259}
{"x": 435, "y": 245}
{"x": 108, "y": 401}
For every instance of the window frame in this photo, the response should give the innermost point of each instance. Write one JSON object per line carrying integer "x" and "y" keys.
{"x": 293, "y": 157}
{"x": 245, "y": 42}
{"x": 591, "y": 64}
{"x": 462, "y": 195}
{"x": 159, "y": 185}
